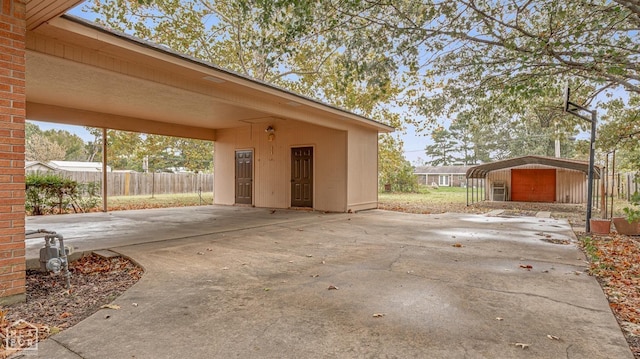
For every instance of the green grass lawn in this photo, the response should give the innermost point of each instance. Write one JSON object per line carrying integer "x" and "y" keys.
{"x": 159, "y": 200}
{"x": 440, "y": 195}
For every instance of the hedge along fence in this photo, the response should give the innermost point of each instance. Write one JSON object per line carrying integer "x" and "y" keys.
{"x": 134, "y": 183}
{"x": 51, "y": 193}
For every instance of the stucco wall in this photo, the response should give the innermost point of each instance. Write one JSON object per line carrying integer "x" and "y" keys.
{"x": 362, "y": 169}
{"x": 272, "y": 163}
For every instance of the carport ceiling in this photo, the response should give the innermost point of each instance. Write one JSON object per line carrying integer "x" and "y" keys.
{"x": 481, "y": 171}
{"x": 64, "y": 83}
{"x": 80, "y": 73}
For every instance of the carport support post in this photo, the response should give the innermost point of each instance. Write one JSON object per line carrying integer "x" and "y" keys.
{"x": 104, "y": 170}
{"x": 592, "y": 155}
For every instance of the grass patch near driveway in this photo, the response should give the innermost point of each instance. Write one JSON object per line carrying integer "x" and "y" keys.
{"x": 158, "y": 201}
{"x": 443, "y": 199}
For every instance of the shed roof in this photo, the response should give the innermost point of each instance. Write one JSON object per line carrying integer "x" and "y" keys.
{"x": 30, "y": 164}
{"x": 481, "y": 171}
{"x": 78, "y": 166}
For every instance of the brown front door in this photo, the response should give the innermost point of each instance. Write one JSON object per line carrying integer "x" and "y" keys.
{"x": 244, "y": 177}
{"x": 302, "y": 177}
{"x": 533, "y": 185}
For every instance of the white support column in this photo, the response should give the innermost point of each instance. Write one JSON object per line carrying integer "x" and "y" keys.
{"x": 104, "y": 170}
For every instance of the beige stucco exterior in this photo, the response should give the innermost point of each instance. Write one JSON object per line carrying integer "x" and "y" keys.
{"x": 80, "y": 74}
{"x": 344, "y": 164}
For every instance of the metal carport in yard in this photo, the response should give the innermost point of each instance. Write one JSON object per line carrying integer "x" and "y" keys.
{"x": 532, "y": 179}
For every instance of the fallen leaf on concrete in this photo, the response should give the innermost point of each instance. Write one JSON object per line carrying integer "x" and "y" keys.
{"x": 526, "y": 266}
{"x": 523, "y": 345}
{"x": 200, "y": 253}
{"x": 267, "y": 289}
{"x": 273, "y": 211}
{"x": 378, "y": 315}
{"x": 577, "y": 272}
{"x": 332, "y": 287}
{"x": 499, "y": 319}
{"x": 552, "y": 337}
{"x": 110, "y": 306}
{"x": 315, "y": 275}
{"x": 309, "y": 255}
{"x": 457, "y": 245}
{"x": 210, "y": 249}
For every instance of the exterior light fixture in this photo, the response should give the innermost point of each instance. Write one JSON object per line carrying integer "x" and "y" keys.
{"x": 271, "y": 133}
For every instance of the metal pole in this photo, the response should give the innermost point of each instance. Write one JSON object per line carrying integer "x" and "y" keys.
{"x": 605, "y": 185}
{"x": 467, "y": 185}
{"x": 613, "y": 179}
{"x": 592, "y": 157}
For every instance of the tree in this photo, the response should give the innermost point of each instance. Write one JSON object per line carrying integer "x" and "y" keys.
{"x": 40, "y": 148}
{"x": 304, "y": 46}
{"x": 510, "y": 52}
{"x": 442, "y": 150}
{"x": 621, "y": 132}
{"x": 73, "y": 145}
{"x": 393, "y": 169}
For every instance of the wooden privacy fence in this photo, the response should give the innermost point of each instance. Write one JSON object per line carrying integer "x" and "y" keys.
{"x": 134, "y": 183}
{"x": 628, "y": 185}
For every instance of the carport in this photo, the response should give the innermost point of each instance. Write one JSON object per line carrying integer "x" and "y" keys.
{"x": 273, "y": 148}
{"x": 533, "y": 179}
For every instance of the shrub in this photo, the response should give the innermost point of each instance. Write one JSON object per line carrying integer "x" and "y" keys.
{"x": 50, "y": 193}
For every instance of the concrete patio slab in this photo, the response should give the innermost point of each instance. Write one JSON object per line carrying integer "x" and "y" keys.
{"x": 427, "y": 286}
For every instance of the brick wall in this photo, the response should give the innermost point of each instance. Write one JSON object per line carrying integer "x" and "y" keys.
{"x": 12, "y": 116}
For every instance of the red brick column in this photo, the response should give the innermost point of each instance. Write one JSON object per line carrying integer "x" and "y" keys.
{"x": 12, "y": 116}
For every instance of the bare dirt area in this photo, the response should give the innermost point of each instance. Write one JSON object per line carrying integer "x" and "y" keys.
{"x": 51, "y": 307}
{"x": 573, "y": 213}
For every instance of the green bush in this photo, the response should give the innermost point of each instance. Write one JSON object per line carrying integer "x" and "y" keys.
{"x": 632, "y": 213}
{"x": 48, "y": 193}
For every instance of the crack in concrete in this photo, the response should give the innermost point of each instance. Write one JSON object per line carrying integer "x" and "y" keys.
{"x": 509, "y": 292}
{"x": 66, "y": 347}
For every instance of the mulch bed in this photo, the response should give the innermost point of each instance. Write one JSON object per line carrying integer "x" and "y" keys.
{"x": 615, "y": 262}
{"x": 51, "y": 307}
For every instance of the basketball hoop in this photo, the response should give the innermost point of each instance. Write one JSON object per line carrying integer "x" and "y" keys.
{"x": 545, "y": 117}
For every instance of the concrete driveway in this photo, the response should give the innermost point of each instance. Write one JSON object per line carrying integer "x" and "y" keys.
{"x": 261, "y": 287}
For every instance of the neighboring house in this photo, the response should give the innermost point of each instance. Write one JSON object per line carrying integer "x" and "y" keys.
{"x": 442, "y": 176}
{"x": 534, "y": 179}
{"x": 37, "y": 166}
{"x": 77, "y": 166}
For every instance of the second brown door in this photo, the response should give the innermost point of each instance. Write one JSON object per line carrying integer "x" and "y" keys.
{"x": 302, "y": 177}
